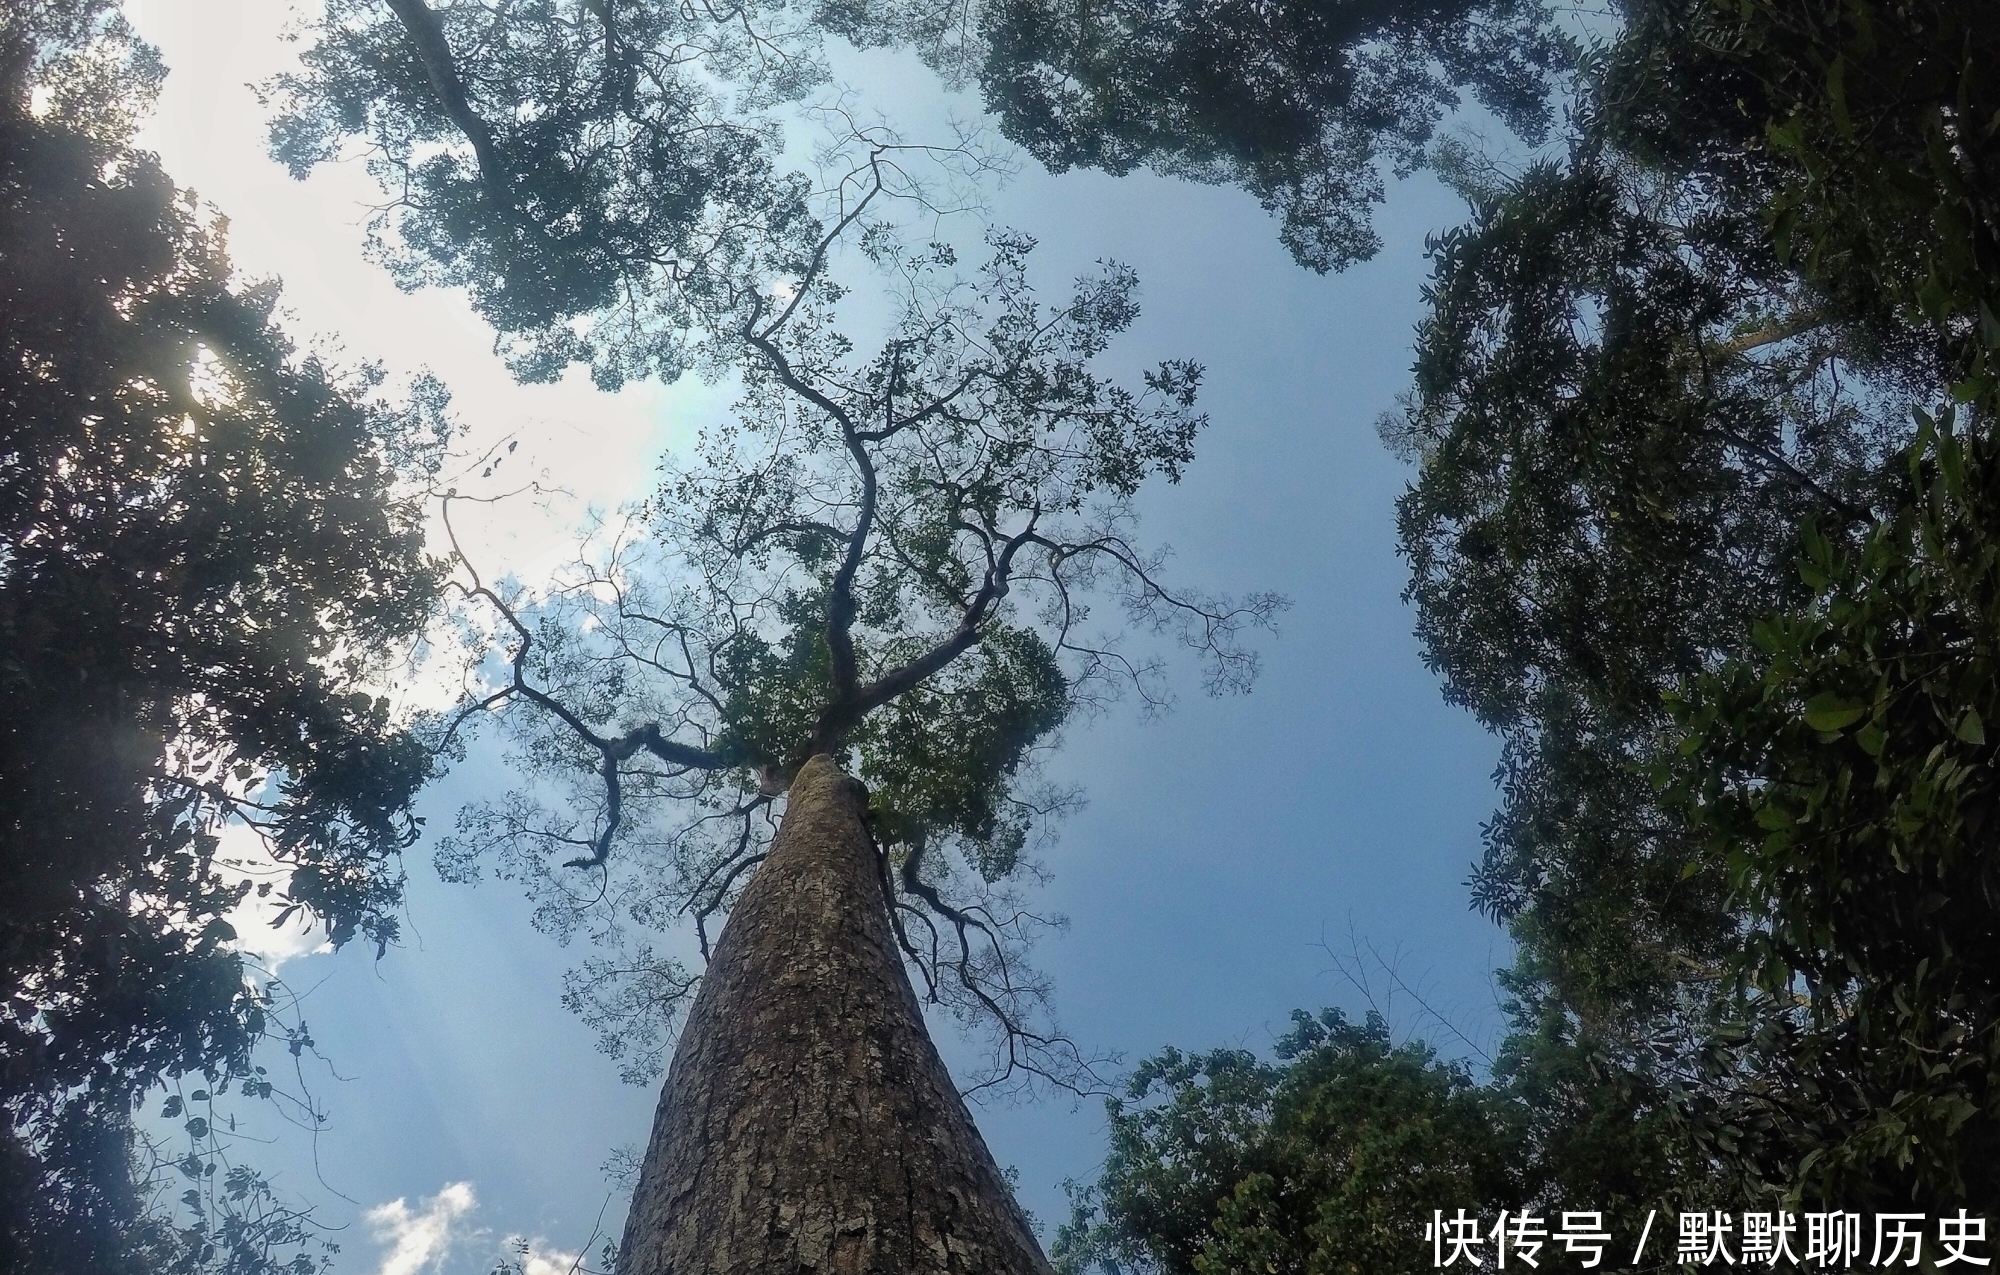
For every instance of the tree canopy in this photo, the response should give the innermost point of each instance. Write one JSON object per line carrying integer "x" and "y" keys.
{"x": 580, "y": 157}
{"x": 206, "y": 554}
{"x": 892, "y": 556}
{"x": 1304, "y": 104}
{"x": 564, "y": 160}
{"x": 1702, "y": 424}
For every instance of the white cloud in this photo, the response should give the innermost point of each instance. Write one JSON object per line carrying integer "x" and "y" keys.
{"x": 419, "y": 1239}
{"x": 536, "y": 1260}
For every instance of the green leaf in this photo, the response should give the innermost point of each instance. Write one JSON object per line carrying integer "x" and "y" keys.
{"x": 1970, "y": 728}
{"x": 1828, "y": 711}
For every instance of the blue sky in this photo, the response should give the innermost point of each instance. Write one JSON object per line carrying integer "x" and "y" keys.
{"x": 1224, "y": 850}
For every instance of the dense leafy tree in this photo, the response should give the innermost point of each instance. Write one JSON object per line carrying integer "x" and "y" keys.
{"x": 1647, "y": 370}
{"x": 1222, "y": 1162}
{"x": 1871, "y": 129}
{"x": 1842, "y": 770}
{"x": 1619, "y": 433}
{"x": 204, "y": 555}
{"x": 581, "y": 160}
{"x": 1303, "y": 103}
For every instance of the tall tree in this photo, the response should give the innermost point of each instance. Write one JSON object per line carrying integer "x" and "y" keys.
{"x": 808, "y": 1088}
{"x": 205, "y": 553}
{"x": 883, "y": 561}
{"x": 1655, "y": 379}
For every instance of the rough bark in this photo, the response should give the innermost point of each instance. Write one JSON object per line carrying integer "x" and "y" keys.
{"x": 808, "y": 1124}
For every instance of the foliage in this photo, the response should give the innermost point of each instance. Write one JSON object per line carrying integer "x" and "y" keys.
{"x": 1616, "y": 385}
{"x": 1599, "y": 1128}
{"x": 1842, "y": 771}
{"x": 205, "y": 555}
{"x": 1649, "y": 373}
{"x": 585, "y": 161}
{"x": 1302, "y": 103}
{"x": 1879, "y": 131}
{"x": 604, "y": 159}
{"x": 1620, "y": 421}
{"x": 1320, "y": 1164}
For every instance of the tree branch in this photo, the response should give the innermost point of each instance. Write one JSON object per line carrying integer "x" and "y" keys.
{"x": 611, "y": 750}
{"x": 426, "y": 33}
{"x": 847, "y": 711}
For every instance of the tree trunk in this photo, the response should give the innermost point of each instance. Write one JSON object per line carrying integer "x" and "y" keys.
{"x": 808, "y": 1124}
